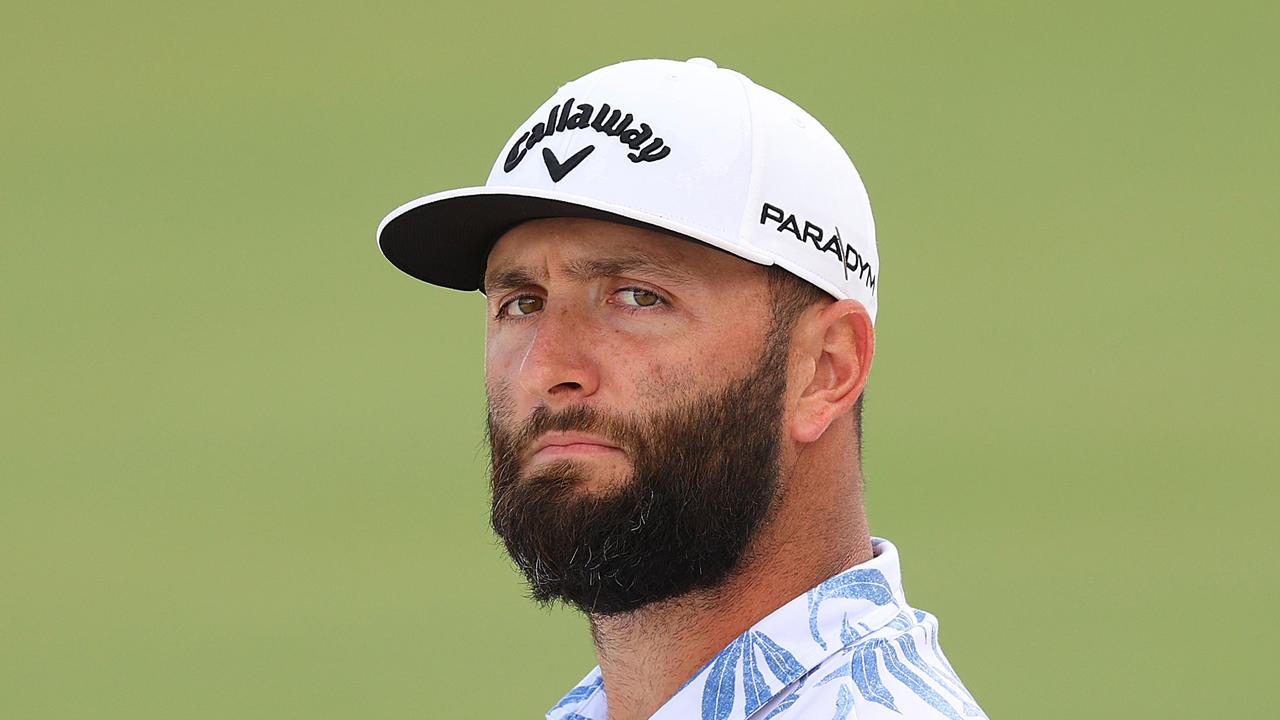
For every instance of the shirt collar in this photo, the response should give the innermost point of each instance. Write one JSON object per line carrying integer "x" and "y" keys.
{"x": 775, "y": 652}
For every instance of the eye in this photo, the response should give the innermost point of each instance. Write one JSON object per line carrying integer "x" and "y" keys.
{"x": 520, "y": 306}
{"x": 639, "y": 297}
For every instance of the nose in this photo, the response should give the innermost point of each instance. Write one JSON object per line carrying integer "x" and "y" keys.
{"x": 558, "y": 366}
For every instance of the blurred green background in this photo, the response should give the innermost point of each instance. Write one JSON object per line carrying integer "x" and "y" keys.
{"x": 241, "y": 461}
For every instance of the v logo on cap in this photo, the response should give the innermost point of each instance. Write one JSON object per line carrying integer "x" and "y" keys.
{"x": 558, "y": 170}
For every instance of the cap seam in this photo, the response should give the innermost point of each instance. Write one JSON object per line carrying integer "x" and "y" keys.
{"x": 754, "y": 179}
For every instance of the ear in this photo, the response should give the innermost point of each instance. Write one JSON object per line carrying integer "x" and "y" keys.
{"x": 835, "y": 346}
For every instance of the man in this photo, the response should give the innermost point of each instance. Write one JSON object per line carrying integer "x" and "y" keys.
{"x": 681, "y": 275}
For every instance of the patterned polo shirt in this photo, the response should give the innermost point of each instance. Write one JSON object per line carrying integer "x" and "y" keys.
{"x": 849, "y": 648}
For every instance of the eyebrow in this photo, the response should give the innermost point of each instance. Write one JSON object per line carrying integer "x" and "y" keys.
{"x": 595, "y": 268}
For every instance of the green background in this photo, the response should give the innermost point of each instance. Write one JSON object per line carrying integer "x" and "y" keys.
{"x": 241, "y": 460}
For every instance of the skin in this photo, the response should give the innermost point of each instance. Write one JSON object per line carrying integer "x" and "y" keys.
{"x": 627, "y": 319}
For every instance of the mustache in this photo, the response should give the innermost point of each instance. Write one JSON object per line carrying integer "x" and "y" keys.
{"x": 517, "y": 442}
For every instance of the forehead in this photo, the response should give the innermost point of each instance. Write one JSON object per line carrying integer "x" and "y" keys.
{"x": 552, "y": 244}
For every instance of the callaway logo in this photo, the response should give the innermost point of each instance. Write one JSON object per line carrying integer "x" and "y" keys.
{"x": 848, "y": 256}
{"x": 645, "y": 146}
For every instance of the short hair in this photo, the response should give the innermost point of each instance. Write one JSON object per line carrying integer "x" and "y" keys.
{"x": 791, "y": 296}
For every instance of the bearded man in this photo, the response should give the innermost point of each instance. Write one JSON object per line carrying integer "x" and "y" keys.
{"x": 681, "y": 278}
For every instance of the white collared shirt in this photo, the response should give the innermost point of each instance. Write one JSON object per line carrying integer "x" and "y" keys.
{"x": 849, "y": 648}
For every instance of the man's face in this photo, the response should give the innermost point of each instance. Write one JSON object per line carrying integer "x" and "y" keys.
{"x": 635, "y": 402}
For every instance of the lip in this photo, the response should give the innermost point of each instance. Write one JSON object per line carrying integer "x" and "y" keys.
{"x": 566, "y": 444}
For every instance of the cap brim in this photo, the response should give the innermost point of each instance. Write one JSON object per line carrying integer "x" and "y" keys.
{"x": 445, "y": 238}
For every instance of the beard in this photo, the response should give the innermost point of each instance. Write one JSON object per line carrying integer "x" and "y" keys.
{"x": 703, "y": 480}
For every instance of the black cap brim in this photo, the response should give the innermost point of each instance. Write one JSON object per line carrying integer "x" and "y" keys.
{"x": 445, "y": 238}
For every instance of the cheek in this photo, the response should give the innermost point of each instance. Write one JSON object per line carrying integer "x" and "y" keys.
{"x": 655, "y": 379}
{"x": 499, "y": 373}
{"x": 672, "y": 371}
{"x": 500, "y": 356}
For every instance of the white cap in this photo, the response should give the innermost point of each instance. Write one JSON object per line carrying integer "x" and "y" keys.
{"x": 684, "y": 147}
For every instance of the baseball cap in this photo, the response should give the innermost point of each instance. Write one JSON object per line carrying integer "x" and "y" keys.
{"x": 687, "y": 148}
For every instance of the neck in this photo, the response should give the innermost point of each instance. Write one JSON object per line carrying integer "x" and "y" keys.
{"x": 647, "y": 655}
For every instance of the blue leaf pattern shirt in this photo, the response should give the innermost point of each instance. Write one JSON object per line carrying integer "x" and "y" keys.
{"x": 849, "y": 648}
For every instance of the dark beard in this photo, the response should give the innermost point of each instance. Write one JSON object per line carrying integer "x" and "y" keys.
{"x": 703, "y": 482}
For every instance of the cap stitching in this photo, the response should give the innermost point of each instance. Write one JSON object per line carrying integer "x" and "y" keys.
{"x": 755, "y": 179}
